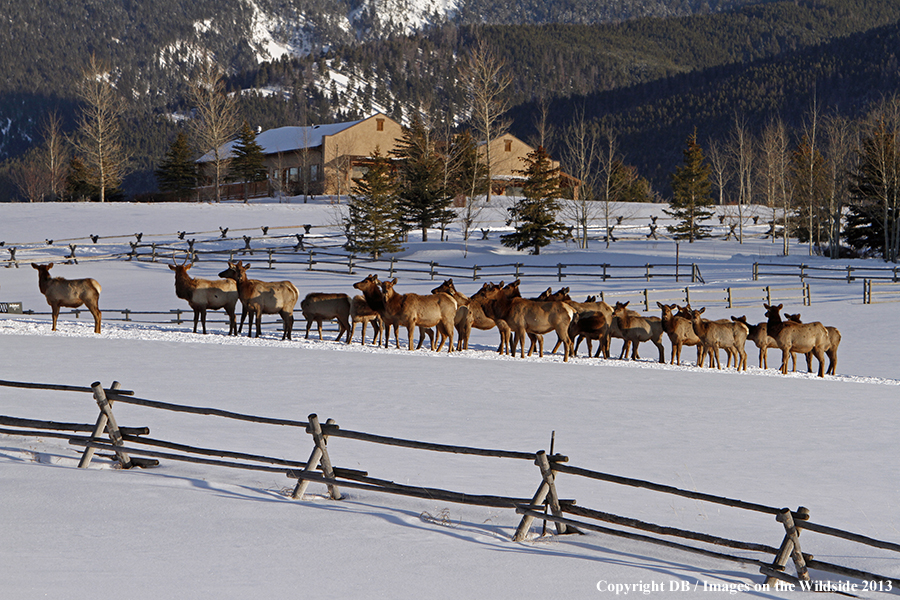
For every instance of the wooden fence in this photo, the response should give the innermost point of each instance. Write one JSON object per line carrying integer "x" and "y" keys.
{"x": 804, "y": 272}
{"x": 568, "y": 517}
{"x": 884, "y": 291}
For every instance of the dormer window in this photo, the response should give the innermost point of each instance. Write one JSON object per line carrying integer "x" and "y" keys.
{"x": 508, "y": 146}
{"x": 379, "y": 124}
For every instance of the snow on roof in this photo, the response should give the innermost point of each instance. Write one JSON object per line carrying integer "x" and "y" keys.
{"x": 287, "y": 139}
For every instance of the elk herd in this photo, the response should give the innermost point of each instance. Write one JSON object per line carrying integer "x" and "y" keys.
{"x": 450, "y": 313}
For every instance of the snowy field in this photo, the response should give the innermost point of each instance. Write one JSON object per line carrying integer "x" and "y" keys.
{"x": 183, "y": 530}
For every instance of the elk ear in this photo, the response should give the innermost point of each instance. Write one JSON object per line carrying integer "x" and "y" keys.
{"x": 49, "y": 265}
{"x": 394, "y": 281}
{"x": 779, "y": 307}
{"x": 173, "y": 267}
{"x": 701, "y": 311}
{"x": 660, "y": 304}
{"x": 35, "y": 265}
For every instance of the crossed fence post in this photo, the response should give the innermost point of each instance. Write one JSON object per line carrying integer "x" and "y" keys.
{"x": 106, "y": 420}
{"x": 546, "y": 492}
{"x": 319, "y": 456}
{"x": 790, "y": 548}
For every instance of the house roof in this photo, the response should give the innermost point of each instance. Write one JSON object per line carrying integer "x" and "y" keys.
{"x": 287, "y": 139}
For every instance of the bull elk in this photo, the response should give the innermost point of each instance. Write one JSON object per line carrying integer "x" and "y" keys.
{"x": 263, "y": 298}
{"x": 318, "y": 307}
{"x": 70, "y": 293}
{"x": 206, "y": 294}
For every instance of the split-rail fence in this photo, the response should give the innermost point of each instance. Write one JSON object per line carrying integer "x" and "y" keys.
{"x": 129, "y": 448}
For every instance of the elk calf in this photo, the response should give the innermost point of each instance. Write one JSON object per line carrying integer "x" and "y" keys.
{"x": 70, "y": 293}
{"x": 361, "y": 312}
{"x": 320, "y": 307}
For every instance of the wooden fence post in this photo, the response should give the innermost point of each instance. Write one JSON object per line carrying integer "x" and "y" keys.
{"x": 729, "y": 298}
{"x": 768, "y": 295}
{"x": 545, "y": 491}
{"x": 559, "y": 271}
{"x": 98, "y": 431}
{"x": 790, "y": 546}
{"x": 807, "y": 297}
{"x": 319, "y": 456}
{"x": 646, "y": 300}
{"x": 755, "y": 271}
{"x": 112, "y": 427}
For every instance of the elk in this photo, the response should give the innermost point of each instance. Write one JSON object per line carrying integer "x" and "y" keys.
{"x": 361, "y": 312}
{"x": 263, "y": 298}
{"x": 415, "y": 310}
{"x": 634, "y": 329}
{"x": 728, "y": 335}
{"x": 794, "y": 337}
{"x": 485, "y": 298}
{"x": 759, "y": 335}
{"x": 526, "y": 316}
{"x": 70, "y": 293}
{"x": 374, "y": 297}
{"x": 680, "y": 331}
{"x": 471, "y": 313}
{"x": 319, "y": 307}
{"x": 834, "y": 340}
{"x": 591, "y": 323}
{"x": 206, "y": 294}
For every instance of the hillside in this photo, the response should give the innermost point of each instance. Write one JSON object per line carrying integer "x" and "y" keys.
{"x": 322, "y": 62}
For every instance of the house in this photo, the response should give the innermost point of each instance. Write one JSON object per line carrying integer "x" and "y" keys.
{"x": 508, "y": 154}
{"x": 322, "y": 159}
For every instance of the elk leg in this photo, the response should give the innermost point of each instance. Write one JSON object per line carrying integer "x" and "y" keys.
{"x": 288, "y": 320}
{"x": 196, "y": 318}
{"x": 55, "y": 311}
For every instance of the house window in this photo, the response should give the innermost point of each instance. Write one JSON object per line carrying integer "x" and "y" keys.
{"x": 508, "y": 146}
{"x": 313, "y": 172}
{"x": 293, "y": 175}
{"x": 379, "y": 124}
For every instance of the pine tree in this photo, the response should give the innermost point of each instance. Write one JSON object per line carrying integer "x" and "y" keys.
{"x": 535, "y": 213}
{"x": 373, "y": 222}
{"x": 692, "y": 197}
{"x": 422, "y": 191}
{"x": 177, "y": 172}
{"x": 248, "y": 164}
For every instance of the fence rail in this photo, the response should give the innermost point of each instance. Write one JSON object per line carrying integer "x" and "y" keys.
{"x": 531, "y": 509}
{"x": 884, "y": 291}
{"x": 849, "y": 273}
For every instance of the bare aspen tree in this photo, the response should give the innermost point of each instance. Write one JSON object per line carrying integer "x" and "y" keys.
{"x": 581, "y": 157}
{"x": 810, "y": 182}
{"x": 31, "y": 179}
{"x": 778, "y": 191}
{"x": 485, "y": 81}
{"x": 215, "y": 121}
{"x": 609, "y": 186}
{"x": 742, "y": 152}
{"x": 56, "y": 155}
{"x": 839, "y": 142}
{"x": 98, "y": 141}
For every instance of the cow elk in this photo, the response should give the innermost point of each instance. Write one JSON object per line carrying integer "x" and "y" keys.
{"x": 634, "y": 329}
{"x": 416, "y": 310}
{"x": 834, "y": 340}
{"x": 206, "y": 294}
{"x": 759, "y": 335}
{"x": 319, "y": 307}
{"x": 69, "y": 293}
{"x": 263, "y": 298}
{"x": 680, "y": 331}
{"x": 728, "y": 335}
{"x": 793, "y": 337}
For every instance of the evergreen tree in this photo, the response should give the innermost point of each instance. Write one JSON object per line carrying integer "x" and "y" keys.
{"x": 692, "y": 197}
{"x": 248, "y": 164}
{"x": 535, "y": 213}
{"x": 373, "y": 222}
{"x": 177, "y": 172}
{"x": 422, "y": 191}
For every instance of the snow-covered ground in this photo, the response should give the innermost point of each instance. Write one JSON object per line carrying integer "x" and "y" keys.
{"x": 193, "y": 531}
